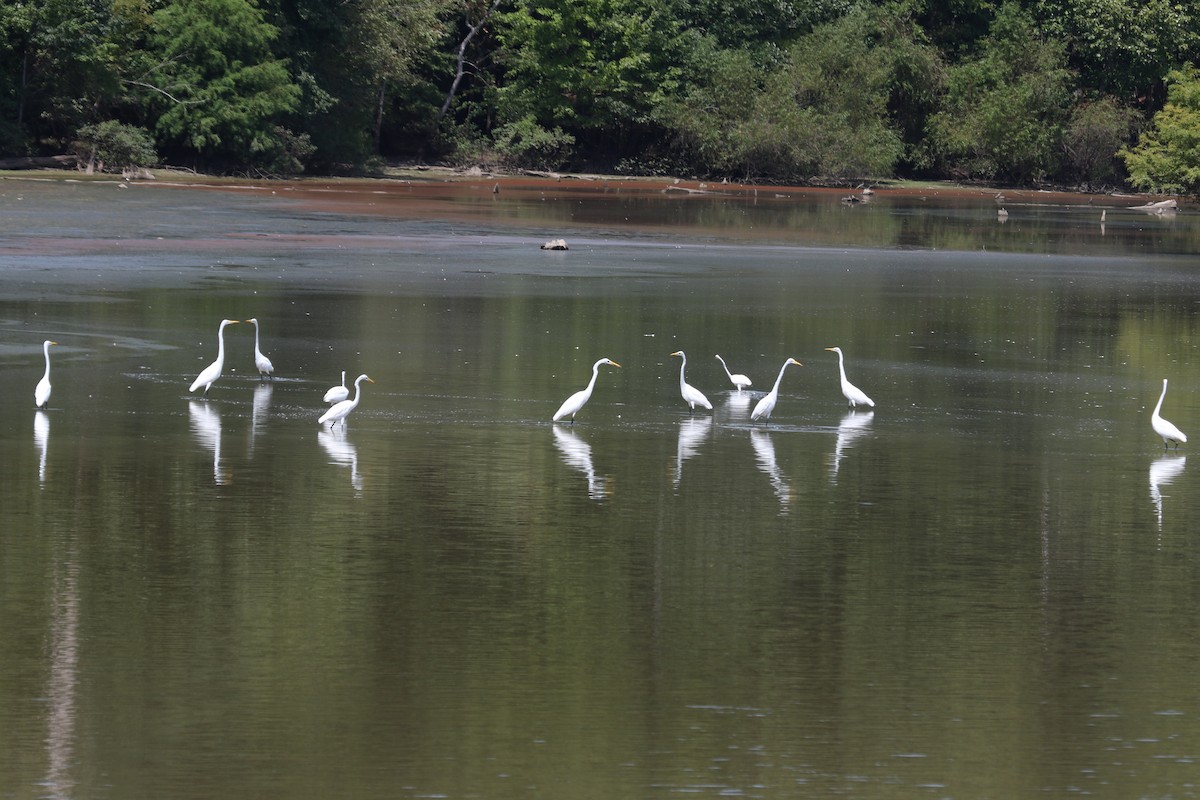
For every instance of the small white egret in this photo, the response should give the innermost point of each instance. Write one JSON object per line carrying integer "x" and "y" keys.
{"x": 767, "y": 404}
{"x": 1166, "y": 430}
{"x": 337, "y": 394}
{"x": 577, "y": 401}
{"x": 264, "y": 365}
{"x": 691, "y": 395}
{"x": 738, "y": 380}
{"x": 41, "y": 395}
{"x": 855, "y": 395}
{"x": 213, "y": 371}
{"x": 340, "y": 411}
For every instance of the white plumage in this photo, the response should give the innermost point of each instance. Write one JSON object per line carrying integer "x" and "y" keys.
{"x": 41, "y": 395}
{"x": 577, "y": 401}
{"x": 855, "y": 395}
{"x": 337, "y": 394}
{"x": 1166, "y": 430}
{"x": 737, "y": 379}
{"x": 691, "y": 395}
{"x": 213, "y": 371}
{"x": 341, "y": 410}
{"x": 766, "y": 405}
{"x": 261, "y": 362}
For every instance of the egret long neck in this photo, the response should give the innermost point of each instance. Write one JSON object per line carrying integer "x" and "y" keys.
{"x": 682, "y": 367}
{"x": 726, "y": 368}
{"x": 779, "y": 380}
{"x": 592, "y": 383}
{"x": 841, "y": 365}
{"x": 1157, "y": 408}
{"x": 221, "y": 342}
{"x": 46, "y": 350}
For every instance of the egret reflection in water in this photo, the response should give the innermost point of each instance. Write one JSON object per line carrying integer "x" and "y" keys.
{"x": 764, "y": 452}
{"x": 259, "y": 411}
{"x": 206, "y": 427}
{"x": 738, "y": 404}
{"x": 341, "y": 452}
{"x": 577, "y": 454}
{"x": 852, "y": 427}
{"x": 692, "y": 433}
{"x": 41, "y": 440}
{"x": 1163, "y": 471}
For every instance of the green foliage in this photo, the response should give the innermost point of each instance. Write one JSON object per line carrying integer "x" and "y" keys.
{"x": 1004, "y": 111}
{"x": 1094, "y": 134}
{"x": 778, "y": 89}
{"x": 824, "y": 111}
{"x": 586, "y": 64}
{"x": 525, "y": 143}
{"x": 744, "y": 24}
{"x": 351, "y": 59}
{"x": 112, "y": 145}
{"x": 222, "y": 89}
{"x": 1123, "y": 46}
{"x": 59, "y": 63}
{"x": 1167, "y": 155}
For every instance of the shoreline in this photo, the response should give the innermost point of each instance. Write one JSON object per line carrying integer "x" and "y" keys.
{"x": 431, "y": 175}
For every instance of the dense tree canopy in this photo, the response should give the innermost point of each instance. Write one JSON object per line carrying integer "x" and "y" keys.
{"x": 1023, "y": 91}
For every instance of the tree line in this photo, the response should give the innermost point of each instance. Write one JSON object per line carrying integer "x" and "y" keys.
{"x": 1093, "y": 94}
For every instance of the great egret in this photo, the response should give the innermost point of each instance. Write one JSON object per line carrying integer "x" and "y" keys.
{"x": 738, "y": 380}
{"x": 337, "y": 394}
{"x": 339, "y": 411}
{"x": 855, "y": 395}
{"x": 575, "y": 402}
{"x": 1166, "y": 430}
{"x": 767, "y": 404}
{"x": 691, "y": 395}
{"x": 213, "y": 371}
{"x": 41, "y": 395}
{"x": 265, "y": 367}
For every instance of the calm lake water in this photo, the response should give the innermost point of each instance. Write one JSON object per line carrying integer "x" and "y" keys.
{"x": 986, "y": 586}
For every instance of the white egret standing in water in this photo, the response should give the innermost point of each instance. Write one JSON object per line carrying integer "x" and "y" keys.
{"x": 41, "y": 395}
{"x": 737, "y": 379}
{"x": 577, "y": 401}
{"x": 213, "y": 371}
{"x": 264, "y": 365}
{"x": 341, "y": 410}
{"x": 767, "y": 404}
{"x": 337, "y": 394}
{"x": 691, "y": 395}
{"x": 1166, "y": 430}
{"x": 855, "y": 395}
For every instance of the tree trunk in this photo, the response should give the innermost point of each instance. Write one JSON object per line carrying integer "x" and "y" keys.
{"x": 460, "y": 67}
